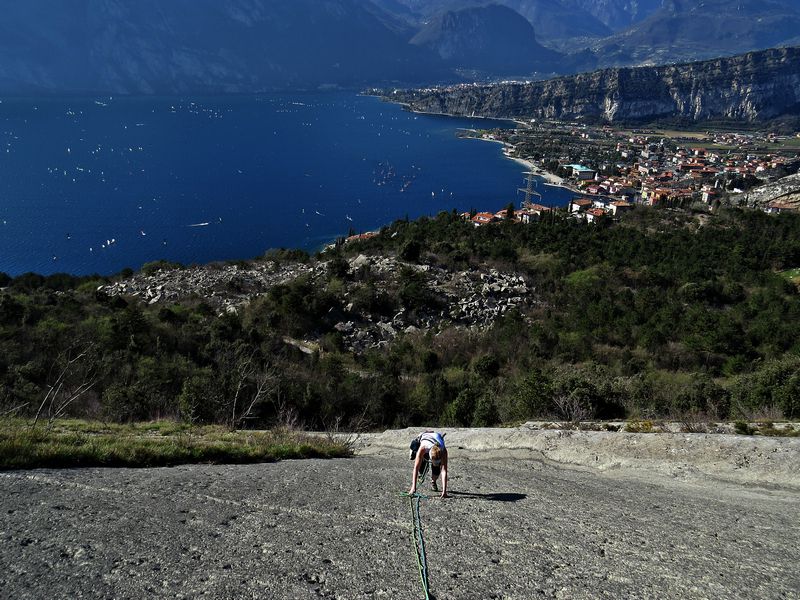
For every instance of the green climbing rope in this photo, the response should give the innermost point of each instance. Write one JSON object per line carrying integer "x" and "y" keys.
{"x": 419, "y": 543}
{"x": 416, "y": 532}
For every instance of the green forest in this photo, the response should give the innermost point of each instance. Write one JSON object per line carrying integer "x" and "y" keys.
{"x": 666, "y": 314}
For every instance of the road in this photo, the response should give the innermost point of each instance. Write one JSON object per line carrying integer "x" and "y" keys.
{"x": 514, "y": 528}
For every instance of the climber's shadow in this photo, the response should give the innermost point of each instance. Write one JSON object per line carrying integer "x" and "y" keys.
{"x": 494, "y": 497}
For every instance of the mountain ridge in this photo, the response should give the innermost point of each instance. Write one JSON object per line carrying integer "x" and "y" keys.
{"x": 492, "y": 38}
{"x": 752, "y": 87}
{"x": 203, "y": 46}
{"x": 683, "y": 31}
{"x": 250, "y": 46}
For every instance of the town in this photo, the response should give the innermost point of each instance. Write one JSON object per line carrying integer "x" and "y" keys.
{"x": 611, "y": 170}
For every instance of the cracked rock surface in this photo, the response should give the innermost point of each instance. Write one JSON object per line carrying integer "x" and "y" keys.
{"x": 516, "y": 527}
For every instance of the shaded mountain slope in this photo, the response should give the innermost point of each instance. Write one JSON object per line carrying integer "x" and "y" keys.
{"x": 493, "y": 38}
{"x": 616, "y": 14}
{"x": 688, "y": 30}
{"x": 202, "y": 45}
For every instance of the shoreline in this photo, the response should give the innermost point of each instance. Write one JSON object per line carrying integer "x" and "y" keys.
{"x": 430, "y": 113}
{"x": 549, "y": 178}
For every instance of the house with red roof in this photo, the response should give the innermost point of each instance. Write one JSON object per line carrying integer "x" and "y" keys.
{"x": 527, "y": 215}
{"x": 361, "y": 236}
{"x": 777, "y": 207}
{"x": 595, "y": 214}
{"x": 483, "y": 218}
{"x": 579, "y": 205}
{"x": 618, "y": 207}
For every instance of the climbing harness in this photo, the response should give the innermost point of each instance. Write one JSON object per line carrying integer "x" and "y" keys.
{"x": 416, "y": 531}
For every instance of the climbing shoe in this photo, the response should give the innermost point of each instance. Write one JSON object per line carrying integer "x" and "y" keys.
{"x": 434, "y": 487}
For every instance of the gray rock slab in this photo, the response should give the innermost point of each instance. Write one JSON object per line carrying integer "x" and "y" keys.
{"x": 750, "y": 460}
{"x": 514, "y": 528}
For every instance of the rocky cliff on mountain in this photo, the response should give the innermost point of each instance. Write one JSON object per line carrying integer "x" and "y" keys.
{"x": 775, "y": 196}
{"x": 750, "y": 87}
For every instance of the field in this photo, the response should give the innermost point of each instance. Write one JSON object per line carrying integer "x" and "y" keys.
{"x": 75, "y": 443}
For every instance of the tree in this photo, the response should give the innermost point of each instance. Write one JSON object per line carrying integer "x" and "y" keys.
{"x": 510, "y": 211}
{"x": 253, "y": 384}
{"x": 200, "y": 396}
{"x": 74, "y": 375}
{"x": 485, "y": 413}
{"x": 411, "y": 251}
{"x": 530, "y": 397}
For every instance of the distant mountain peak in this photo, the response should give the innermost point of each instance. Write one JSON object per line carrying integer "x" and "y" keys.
{"x": 491, "y": 38}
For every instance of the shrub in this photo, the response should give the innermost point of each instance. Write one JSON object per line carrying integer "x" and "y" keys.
{"x": 636, "y": 426}
{"x": 529, "y": 398}
{"x": 411, "y": 251}
{"x": 744, "y": 428}
{"x": 414, "y": 293}
{"x": 776, "y": 384}
{"x": 338, "y": 267}
{"x": 157, "y": 265}
{"x": 485, "y": 413}
{"x": 694, "y": 421}
{"x": 287, "y": 255}
{"x": 486, "y": 366}
{"x": 460, "y": 411}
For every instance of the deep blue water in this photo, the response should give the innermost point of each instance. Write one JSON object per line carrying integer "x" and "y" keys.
{"x": 94, "y": 185}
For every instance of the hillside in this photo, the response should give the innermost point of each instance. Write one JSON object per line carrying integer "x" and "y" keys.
{"x": 248, "y": 46}
{"x": 551, "y": 19}
{"x": 665, "y": 314}
{"x": 616, "y": 14}
{"x": 609, "y": 33}
{"x": 684, "y": 30}
{"x": 202, "y": 46}
{"x": 750, "y": 87}
{"x": 492, "y": 39}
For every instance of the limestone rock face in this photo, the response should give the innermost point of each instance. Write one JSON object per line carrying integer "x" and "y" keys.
{"x": 784, "y": 191}
{"x": 754, "y": 86}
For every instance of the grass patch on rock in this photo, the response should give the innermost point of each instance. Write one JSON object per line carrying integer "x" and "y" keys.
{"x": 792, "y": 275}
{"x": 72, "y": 443}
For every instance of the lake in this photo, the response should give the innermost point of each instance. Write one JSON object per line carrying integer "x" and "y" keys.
{"x": 94, "y": 185}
